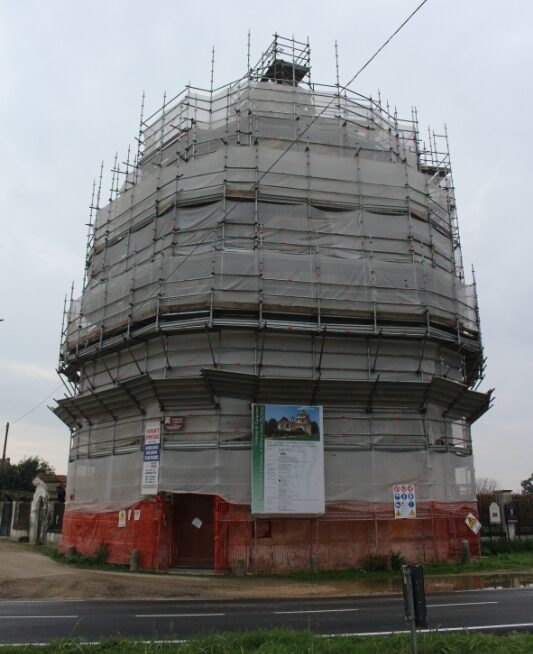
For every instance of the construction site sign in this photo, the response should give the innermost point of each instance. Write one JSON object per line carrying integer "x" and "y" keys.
{"x": 152, "y": 458}
{"x": 473, "y": 523}
{"x": 173, "y": 423}
{"x": 404, "y": 499}
{"x": 287, "y": 460}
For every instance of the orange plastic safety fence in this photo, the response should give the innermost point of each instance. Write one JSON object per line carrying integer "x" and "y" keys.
{"x": 348, "y": 533}
{"x": 137, "y": 527}
{"x": 344, "y": 537}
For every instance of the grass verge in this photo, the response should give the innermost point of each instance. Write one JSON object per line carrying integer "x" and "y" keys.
{"x": 293, "y": 642}
{"x": 506, "y": 557}
{"x": 93, "y": 562}
{"x": 506, "y": 562}
{"x": 510, "y": 562}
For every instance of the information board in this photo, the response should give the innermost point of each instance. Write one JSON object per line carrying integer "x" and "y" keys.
{"x": 152, "y": 457}
{"x": 404, "y": 500}
{"x": 287, "y": 460}
{"x": 173, "y": 423}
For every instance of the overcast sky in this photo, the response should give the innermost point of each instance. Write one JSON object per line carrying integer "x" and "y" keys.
{"x": 71, "y": 78}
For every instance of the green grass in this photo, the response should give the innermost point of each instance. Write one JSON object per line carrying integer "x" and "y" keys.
{"x": 277, "y": 641}
{"x": 499, "y": 556}
{"x": 511, "y": 561}
{"x": 507, "y": 546}
{"x": 502, "y": 562}
{"x": 94, "y": 562}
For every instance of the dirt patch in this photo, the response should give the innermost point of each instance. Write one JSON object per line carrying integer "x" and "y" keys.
{"x": 26, "y": 573}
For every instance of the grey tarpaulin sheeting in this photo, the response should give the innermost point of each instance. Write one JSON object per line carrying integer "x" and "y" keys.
{"x": 385, "y": 218}
{"x": 282, "y": 354}
{"x": 108, "y": 484}
{"x": 313, "y": 275}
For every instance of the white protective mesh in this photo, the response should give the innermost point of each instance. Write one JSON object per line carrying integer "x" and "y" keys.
{"x": 344, "y": 224}
{"x": 352, "y": 228}
{"x": 99, "y": 484}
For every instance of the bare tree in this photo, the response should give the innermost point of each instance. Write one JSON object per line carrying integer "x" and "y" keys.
{"x": 486, "y": 485}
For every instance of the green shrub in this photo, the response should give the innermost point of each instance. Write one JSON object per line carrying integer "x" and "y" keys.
{"x": 381, "y": 562}
{"x": 376, "y": 563}
{"x": 98, "y": 557}
{"x": 101, "y": 553}
{"x": 397, "y": 561}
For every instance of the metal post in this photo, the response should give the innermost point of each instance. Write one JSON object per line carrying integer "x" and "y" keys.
{"x": 409, "y": 605}
{"x": 134, "y": 561}
{"x": 414, "y": 600}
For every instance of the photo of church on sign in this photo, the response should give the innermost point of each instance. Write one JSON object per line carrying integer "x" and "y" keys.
{"x": 285, "y": 422}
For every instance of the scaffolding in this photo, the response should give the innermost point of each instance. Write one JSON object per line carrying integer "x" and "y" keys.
{"x": 274, "y": 239}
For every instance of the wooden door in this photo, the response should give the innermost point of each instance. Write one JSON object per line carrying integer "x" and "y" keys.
{"x": 194, "y": 545}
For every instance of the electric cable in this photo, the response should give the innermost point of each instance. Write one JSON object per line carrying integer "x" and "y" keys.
{"x": 36, "y": 406}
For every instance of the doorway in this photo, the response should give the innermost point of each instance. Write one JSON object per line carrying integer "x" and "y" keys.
{"x": 5, "y": 518}
{"x": 194, "y": 541}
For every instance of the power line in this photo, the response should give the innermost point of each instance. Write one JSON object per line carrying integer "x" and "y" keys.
{"x": 326, "y": 107}
{"x": 37, "y": 405}
{"x": 385, "y": 43}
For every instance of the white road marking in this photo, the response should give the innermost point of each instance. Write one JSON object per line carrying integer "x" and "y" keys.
{"x": 315, "y": 611}
{"x": 97, "y": 642}
{"x": 367, "y": 633}
{"x": 53, "y": 601}
{"x": 434, "y": 606}
{"x": 430, "y": 631}
{"x": 178, "y": 615}
{"x": 37, "y": 617}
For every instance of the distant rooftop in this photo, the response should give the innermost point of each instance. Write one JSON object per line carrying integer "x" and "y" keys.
{"x": 51, "y": 479}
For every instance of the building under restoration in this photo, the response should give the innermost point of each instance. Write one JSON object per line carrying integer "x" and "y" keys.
{"x": 274, "y": 242}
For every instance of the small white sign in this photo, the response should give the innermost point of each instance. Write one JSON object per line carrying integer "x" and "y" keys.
{"x": 495, "y": 515}
{"x": 197, "y": 523}
{"x": 173, "y": 423}
{"x": 150, "y": 478}
{"x": 122, "y": 519}
{"x": 473, "y": 523}
{"x": 404, "y": 501}
{"x": 152, "y": 432}
{"x": 152, "y": 455}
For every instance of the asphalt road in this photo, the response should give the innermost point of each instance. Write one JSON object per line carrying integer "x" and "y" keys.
{"x": 42, "y": 621}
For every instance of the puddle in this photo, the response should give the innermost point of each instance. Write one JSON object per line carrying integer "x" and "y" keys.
{"x": 444, "y": 583}
{"x": 479, "y": 582}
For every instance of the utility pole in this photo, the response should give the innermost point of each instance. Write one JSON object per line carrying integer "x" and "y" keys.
{"x": 5, "y": 446}
{"x": 2, "y": 467}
